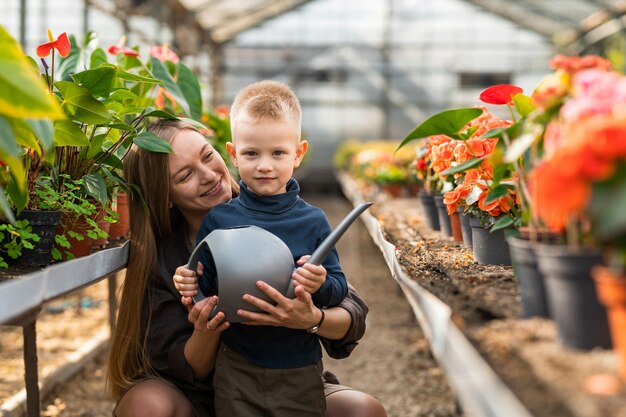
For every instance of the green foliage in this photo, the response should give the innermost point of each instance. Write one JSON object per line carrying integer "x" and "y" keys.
{"x": 14, "y": 238}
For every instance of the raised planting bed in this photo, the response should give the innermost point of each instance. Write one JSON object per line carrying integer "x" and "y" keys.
{"x": 497, "y": 363}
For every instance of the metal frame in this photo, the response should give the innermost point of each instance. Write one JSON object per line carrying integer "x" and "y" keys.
{"x": 22, "y": 299}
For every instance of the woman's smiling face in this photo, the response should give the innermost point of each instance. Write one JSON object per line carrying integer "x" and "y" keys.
{"x": 199, "y": 178}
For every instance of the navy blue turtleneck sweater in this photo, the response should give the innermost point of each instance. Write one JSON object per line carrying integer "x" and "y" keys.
{"x": 302, "y": 227}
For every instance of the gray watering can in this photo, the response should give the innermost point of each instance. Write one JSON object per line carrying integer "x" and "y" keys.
{"x": 246, "y": 254}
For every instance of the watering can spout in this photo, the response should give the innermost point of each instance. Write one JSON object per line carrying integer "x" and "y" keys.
{"x": 322, "y": 251}
{"x": 331, "y": 240}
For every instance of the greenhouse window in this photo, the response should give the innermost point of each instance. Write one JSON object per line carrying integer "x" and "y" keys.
{"x": 483, "y": 79}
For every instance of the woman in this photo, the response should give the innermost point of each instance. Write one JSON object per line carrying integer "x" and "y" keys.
{"x": 162, "y": 354}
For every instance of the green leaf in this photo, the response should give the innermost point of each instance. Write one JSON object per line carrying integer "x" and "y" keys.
{"x": 497, "y": 192}
{"x": 150, "y": 112}
{"x": 160, "y": 72}
{"x": 190, "y": 87}
{"x": 198, "y": 125}
{"x": 98, "y": 81}
{"x": 502, "y": 223}
{"x": 44, "y": 131}
{"x": 123, "y": 94}
{"x": 22, "y": 94}
{"x": 448, "y": 122}
{"x": 8, "y": 142}
{"x": 512, "y": 131}
{"x": 6, "y": 207}
{"x": 98, "y": 58}
{"x": 96, "y": 187}
{"x": 523, "y": 105}
{"x": 150, "y": 142}
{"x": 67, "y": 133}
{"x": 472, "y": 163}
{"x": 127, "y": 76}
{"x": 607, "y": 208}
{"x": 80, "y": 104}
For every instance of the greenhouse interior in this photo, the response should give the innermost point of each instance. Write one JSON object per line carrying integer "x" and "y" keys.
{"x": 458, "y": 166}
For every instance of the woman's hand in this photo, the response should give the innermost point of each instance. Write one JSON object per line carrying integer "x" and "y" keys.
{"x": 199, "y": 316}
{"x": 186, "y": 282}
{"x": 296, "y": 313}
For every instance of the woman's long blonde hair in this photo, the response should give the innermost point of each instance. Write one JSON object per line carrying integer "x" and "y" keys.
{"x": 149, "y": 173}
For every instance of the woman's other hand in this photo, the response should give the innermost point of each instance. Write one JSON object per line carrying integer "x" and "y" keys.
{"x": 296, "y": 313}
{"x": 186, "y": 283}
{"x": 199, "y": 316}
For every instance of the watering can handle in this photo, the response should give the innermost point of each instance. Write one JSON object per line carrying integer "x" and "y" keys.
{"x": 327, "y": 245}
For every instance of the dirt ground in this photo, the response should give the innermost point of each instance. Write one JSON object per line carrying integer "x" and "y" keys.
{"x": 393, "y": 362}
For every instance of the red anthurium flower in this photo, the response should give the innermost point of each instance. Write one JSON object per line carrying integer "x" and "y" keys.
{"x": 499, "y": 94}
{"x": 120, "y": 49}
{"x": 61, "y": 44}
{"x": 164, "y": 53}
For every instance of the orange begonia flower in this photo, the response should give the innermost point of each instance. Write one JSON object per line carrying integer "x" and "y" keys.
{"x": 61, "y": 44}
{"x": 557, "y": 198}
{"x": 451, "y": 200}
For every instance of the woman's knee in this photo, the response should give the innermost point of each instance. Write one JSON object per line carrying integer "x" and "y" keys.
{"x": 353, "y": 403}
{"x": 154, "y": 398}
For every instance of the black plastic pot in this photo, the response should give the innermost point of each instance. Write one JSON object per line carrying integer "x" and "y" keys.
{"x": 444, "y": 220}
{"x": 43, "y": 224}
{"x": 573, "y": 303}
{"x": 430, "y": 211}
{"x": 531, "y": 281}
{"x": 489, "y": 248}
{"x": 466, "y": 228}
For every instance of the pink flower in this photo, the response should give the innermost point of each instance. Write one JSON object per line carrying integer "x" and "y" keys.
{"x": 120, "y": 49}
{"x": 164, "y": 53}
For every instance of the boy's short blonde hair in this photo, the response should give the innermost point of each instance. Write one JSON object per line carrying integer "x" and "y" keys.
{"x": 267, "y": 100}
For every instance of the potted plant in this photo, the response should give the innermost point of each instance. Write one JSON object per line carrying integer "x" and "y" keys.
{"x": 584, "y": 153}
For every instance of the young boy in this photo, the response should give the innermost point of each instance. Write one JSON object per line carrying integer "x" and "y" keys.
{"x": 266, "y": 370}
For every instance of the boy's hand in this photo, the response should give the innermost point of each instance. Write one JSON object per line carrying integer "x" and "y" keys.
{"x": 186, "y": 282}
{"x": 310, "y": 277}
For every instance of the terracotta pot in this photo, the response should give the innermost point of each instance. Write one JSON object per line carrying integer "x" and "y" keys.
{"x": 457, "y": 229}
{"x": 611, "y": 287}
{"x": 414, "y": 188}
{"x": 119, "y": 230}
{"x": 394, "y": 190}
{"x": 79, "y": 248}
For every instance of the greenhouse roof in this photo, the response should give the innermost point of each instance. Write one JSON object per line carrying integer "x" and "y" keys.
{"x": 570, "y": 24}
{"x": 225, "y": 19}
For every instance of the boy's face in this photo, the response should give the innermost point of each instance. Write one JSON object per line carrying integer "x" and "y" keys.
{"x": 266, "y": 153}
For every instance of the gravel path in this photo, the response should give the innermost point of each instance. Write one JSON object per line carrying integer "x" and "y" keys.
{"x": 392, "y": 362}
